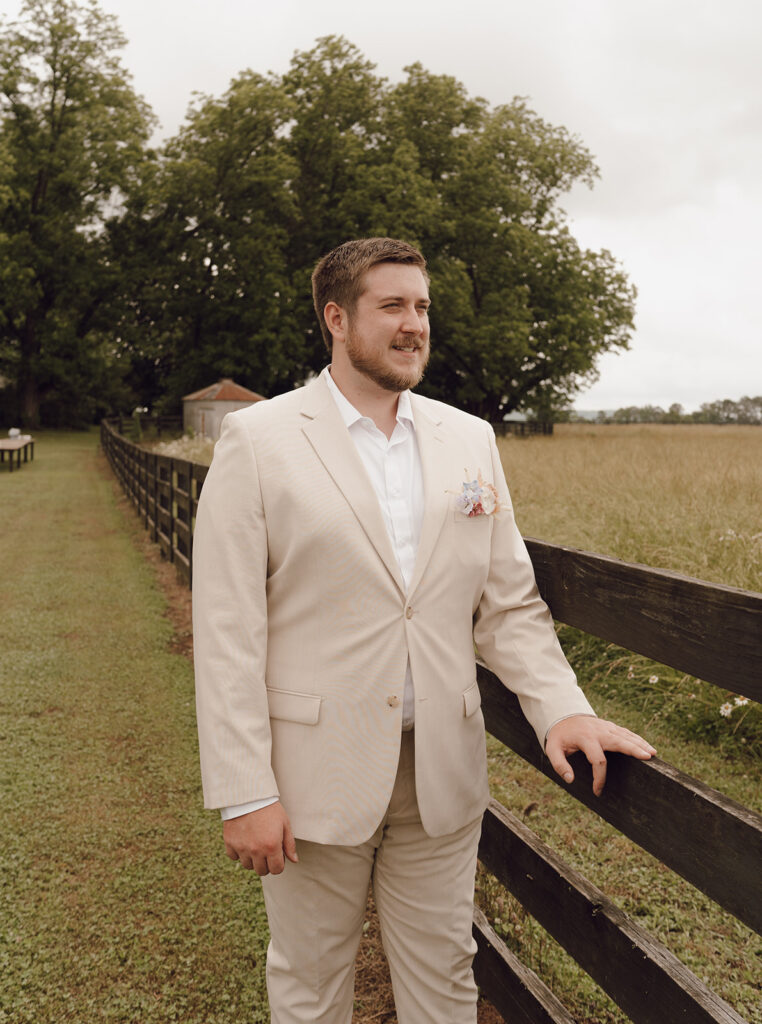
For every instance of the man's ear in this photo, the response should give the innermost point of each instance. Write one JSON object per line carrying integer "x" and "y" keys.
{"x": 335, "y": 320}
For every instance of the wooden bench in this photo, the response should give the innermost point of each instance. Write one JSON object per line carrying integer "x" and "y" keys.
{"x": 15, "y": 446}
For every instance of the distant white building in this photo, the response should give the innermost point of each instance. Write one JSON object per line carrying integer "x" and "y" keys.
{"x": 204, "y": 410}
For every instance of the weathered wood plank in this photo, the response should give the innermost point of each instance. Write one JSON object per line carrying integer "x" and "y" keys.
{"x": 512, "y": 988}
{"x": 183, "y": 475}
{"x": 643, "y": 977}
{"x": 704, "y": 629}
{"x": 713, "y": 842}
{"x": 182, "y": 565}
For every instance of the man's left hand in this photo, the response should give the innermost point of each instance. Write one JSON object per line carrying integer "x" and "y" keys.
{"x": 593, "y": 736}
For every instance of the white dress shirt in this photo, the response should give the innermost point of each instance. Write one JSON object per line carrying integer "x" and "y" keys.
{"x": 394, "y": 468}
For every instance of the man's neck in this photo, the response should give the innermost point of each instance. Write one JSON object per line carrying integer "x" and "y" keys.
{"x": 368, "y": 398}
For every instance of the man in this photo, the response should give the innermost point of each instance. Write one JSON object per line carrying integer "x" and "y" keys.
{"x": 342, "y": 575}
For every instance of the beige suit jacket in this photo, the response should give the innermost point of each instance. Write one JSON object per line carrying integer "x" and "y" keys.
{"x": 303, "y": 629}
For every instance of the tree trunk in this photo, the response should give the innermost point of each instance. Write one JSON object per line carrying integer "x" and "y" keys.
{"x": 28, "y": 386}
{"x": 30, "y": 405}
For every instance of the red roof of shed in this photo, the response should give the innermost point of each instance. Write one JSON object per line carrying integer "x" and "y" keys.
{"x": 225, "y": 390}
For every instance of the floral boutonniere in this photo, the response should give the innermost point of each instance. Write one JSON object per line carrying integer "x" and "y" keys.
{"x": 477, "y": 498}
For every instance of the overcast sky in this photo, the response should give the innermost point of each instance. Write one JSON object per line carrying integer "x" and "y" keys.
{"x": 667, "y": 95}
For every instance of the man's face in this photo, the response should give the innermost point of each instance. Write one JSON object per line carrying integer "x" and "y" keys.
{"x": 388, "y": 331}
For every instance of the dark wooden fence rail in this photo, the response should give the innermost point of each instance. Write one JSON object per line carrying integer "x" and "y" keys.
{"x": 709, "y": 631}
{"x": 164, "y": 492}
{"x": 171, "y": 425}
{"x": 523, "y": 428}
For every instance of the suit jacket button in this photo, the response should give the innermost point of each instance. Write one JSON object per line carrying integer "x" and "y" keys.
{"x": 408, "y": 612}
{"x": 393, "y": 700}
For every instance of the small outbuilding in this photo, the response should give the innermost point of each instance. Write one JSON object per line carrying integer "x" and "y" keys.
{"x": 204, "y": 410}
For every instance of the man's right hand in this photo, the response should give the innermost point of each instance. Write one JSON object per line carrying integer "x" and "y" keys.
{"x": 261, "y": 840}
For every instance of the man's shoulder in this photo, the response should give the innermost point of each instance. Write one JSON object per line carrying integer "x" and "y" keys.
{"x": 271, "y": 410}
{"x": 450, "y": 415}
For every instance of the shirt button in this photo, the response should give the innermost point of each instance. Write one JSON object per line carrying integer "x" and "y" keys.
{"x": 408, "y": 612}
{"x": 393, "y": 700}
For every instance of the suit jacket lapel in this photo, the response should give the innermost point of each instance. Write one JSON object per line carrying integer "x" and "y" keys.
{"x": 437, "y": 478}
{"x": 328, "y": 435}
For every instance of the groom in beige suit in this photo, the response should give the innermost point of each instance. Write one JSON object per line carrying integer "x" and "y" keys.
{"x": 353, "y": 542}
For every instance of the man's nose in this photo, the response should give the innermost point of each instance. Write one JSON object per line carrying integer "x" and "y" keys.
{"x": 412, "y": 322}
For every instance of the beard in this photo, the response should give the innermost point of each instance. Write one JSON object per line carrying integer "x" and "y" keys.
{"x": 371, "y": 364}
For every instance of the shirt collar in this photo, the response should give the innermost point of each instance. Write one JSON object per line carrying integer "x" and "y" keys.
{"x": 350, "y": 415}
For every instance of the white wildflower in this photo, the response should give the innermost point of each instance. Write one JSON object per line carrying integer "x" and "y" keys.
{"x": 741, "y": 702}
{"x": 726, "y": 710}
{"x": 653, "y": 679}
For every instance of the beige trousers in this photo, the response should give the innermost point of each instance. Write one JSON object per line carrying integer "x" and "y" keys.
{"x": 424, "y": 890}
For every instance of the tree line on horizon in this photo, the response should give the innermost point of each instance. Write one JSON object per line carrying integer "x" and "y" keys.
{"x": 134, "y": 275}
{"x": 747, "y": 411}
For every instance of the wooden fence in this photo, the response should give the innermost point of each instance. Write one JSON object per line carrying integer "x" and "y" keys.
{"x": 522, "y": 428}
{"x": 706, "y": 630}
{"x": 154, "y": 422}
{"x": 164, "y": 492}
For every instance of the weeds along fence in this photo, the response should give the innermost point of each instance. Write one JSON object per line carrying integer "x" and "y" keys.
{"x": 706, "y": 630}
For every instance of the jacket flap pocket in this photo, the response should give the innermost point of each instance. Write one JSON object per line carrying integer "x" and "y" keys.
{"x": 471, "y": 699}
{"x": 293, "y": 706}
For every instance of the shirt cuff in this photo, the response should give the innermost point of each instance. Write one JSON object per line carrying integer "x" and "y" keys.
{"x": 237, "y": 810}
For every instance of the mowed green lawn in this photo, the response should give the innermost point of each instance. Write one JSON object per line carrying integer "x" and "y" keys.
{"x": 117, "y": 901}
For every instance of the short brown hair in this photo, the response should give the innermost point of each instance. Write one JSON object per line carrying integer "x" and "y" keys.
{"x": 338, "y": 276}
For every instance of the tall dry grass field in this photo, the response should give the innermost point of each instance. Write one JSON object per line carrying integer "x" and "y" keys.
{"x": 685, "y": 498}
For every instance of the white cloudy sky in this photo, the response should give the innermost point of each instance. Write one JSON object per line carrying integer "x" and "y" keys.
{"x": 667, "y": 94}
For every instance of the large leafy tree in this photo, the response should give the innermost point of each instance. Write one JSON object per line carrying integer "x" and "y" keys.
{"x": 520, "y": 311}
{"x": 218, "y": 245}
{"x": 264, "y": 180}
{"x": 72, "y": 136}
{"x": 206, "y": 285}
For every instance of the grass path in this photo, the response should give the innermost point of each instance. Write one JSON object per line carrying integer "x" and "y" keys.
{"x": 115, "y": 901}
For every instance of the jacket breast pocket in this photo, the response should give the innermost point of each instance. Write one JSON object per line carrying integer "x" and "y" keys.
{"x": 292, "y": 706}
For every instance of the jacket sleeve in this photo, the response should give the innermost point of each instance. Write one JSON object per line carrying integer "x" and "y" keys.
{"x": 513, "y": 628}
{"x": 230, "y": 625}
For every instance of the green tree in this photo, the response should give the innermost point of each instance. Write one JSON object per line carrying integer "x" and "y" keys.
{"x": 675, "y": 414}
{"x": 207, "y": 290}
{"x": 750, "y": 409}
{"x": 263, "y": 181}
{"x": 354, "y": 177}
{"x": 219, "y": 244}
{"x": 746, "y": 410}
{"x": 72, "y": 136}
{"x": 520, "y": 312}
